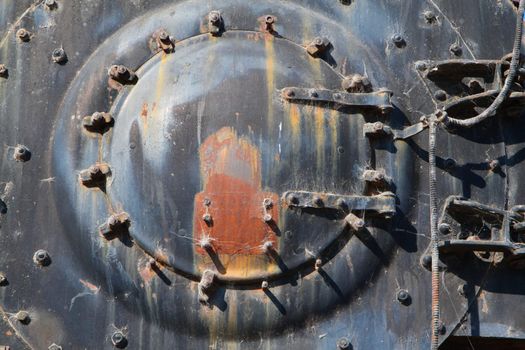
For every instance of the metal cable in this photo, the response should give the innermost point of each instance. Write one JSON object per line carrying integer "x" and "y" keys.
{"x": 433, "y": 231}
{"x": 505, "y": 91}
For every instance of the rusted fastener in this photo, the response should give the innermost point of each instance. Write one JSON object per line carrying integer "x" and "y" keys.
{"x": 165, "y": 41}
{"x": 95, "y": 176}
{"x": 98, "y": 122}
{"x": 318, "y": 264}
{"x": 376, "y": 129}
{"x": 122, "y": 75}
{"x": 317, "y": 202}
{"x": 205, "y": 243}
{"x": 343, "y": 343}
{"x": 398, "y": 40}
{"x": 440, "y": 95}
{"x": 115, "y": 225}
{"x": 3, "y": 71}
{"x": 444, "y": 228}
{"x": 264, "y": 285}
{"x": 22, "y": 153}
{"x": 59, "y": 56}
{"x": 207, "y": 218}
{"x": 23, "y": 35}
{"x": 356, "y": 83}
{"x": 23, "y": 317}
{"x": 430, "y": 17}
{"x": 267, "y": 22}
{"x": 267, "y": 247}
{"x": 3, "y": 281}
{"x": 420, "y": 66}
{"x": 288, "y": 93}
{"x": 118, "y": 339}
{"x": 268, "y": 203}
{"x": 206, "y": 287}
{"x": 403, "y": 297}
{"x": 354, "y": 222}
{"x": 494, "y": 165}
{"x": 318, "y": 46}
{"x": 215, "y": 23}
{"x": 54, "y": 347}
{"x": 475, "y": 86}
{"x": 449, "y": 164}
{"x": 376, "y": 177}
{"x": 42, "y": 258}
{"x": 51, "y": 4}
{"x": 292, "y": 199}
{"x": 456, "y": 49}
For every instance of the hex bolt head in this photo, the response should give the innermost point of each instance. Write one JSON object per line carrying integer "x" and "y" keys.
{"x": 59, "y": 56}
{"x": 356, "y": 83}
{"x": 23, "y": 34}
{"x": 119, "y": 340}
{"x": 23, "y": 317}
{"x": 343, "y": 343}
{"x": 444, "y": 228}
{"x": 398, "y": 40}
{"x": 403, "y": 297}
{"x": 42, "y": 258}
{"x": 456, "y": 49}
{"x": 440, "y": 95}
{"x": 264, "y": 285}
{"x": 22, "y": 153}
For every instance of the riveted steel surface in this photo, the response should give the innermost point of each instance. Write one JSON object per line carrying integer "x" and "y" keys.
{"x": 198, "y": 176}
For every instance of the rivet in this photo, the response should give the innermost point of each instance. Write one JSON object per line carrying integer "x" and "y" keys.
{"x": 207, "y": 218}
{"x": 456, "y": 49}
{"x": 317, "y": 201}
{"x": 42, "y": 258}
{"x": 22, "y": 153}
{"x": 23, "y": 317}
{"x": 343, "y": 343}
{"x": 442, "y": 329}
{"x": 23, "y": 34}
{"x": 449, "y": 163}
{"x": 3, "y": 71}
{"x": 267, "y": 217}
{"x": 403, "y": 297}
{"x": 440, "y": 95}
{"x": 426, "y": 261}
{"x": 318, "y": 264}
{"x": 264, "y": 285}
{"x": 398, "y": 40}
{"x": 51, "y": 4}
{"x": 3, "y": 281}
{"x": 462, "y": 289}
{"x": 207, "y": 202}
{"x": 420, "y": 65}
{"x": 267, "y": 247}
{"x": 267, "y": 203}
{"x": 54, "y": 347}
{"x": 341, "y": 203}
{"x": 430, "y": 17}
{"x": 444, "y": 228}
{"x": 119, "y": 340}
{"x": 288, "y": 93}
{"x": 59, "y": 56}
{"x": 494, "y": 165}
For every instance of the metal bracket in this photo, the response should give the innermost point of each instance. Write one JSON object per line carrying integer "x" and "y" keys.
{"x": 375, "y": 100}
{"x": 379, "y": 129}
{"x": 481, "y": 228}
{"x": 383, "y": 204}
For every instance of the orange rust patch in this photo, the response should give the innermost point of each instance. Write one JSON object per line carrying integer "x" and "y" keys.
{"x": 231, "y": 176}
{"x": 90, "y": 286}
{"x": 144, "y": 112}
{"x": 146, "y": 273}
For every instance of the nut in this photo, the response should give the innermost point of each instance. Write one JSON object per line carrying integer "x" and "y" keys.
{"x": 119, "y": 340}
{"x": 343, "y": 343}
{"x": 356, "y": 83}
{"x": 51, "y": 4}
{"x": 23, "y": 317}
{"x": 54, "y": 347}
{"x": 59, "y": 56}
{"x": 22, "y": 153}
{"x": 42, "y": 258}
{"x": 398, "y": 40}
{"x": 456, "y": 49}
{"x": 23, "y": 34}
{"x": 403, "y": 297}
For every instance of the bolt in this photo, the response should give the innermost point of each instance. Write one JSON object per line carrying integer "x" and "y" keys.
{"x": 22, "y": 153}
{"x": 3, "y": 281}
{"x": 267, "y": 247}
{"x": 270, "y": 19}
{"x": 430, "y": 17}
{"x": 420, "y": 65}
{"x": 341, "y": 203}
{"x": 449, "y": 163}
{"x": 268, "y": 203}
{"x": 426, "y": 261}
{"x": 23, "y": 317}
{"x": 317, "y": 46}
{"x": 398, "y": 40}
{"x": 292, "y": 199}
{"x": 356, "y": 83}
{"x": 289, "y": 93}
{"x": 59, "y": 55}
{"x": 444, "y": 228}
{"x": 214, "y": 17}
{"x": 494, "y": 165}
{"x": 317, "y": 201}
{"x": 205, "y": 243}
{"x": 440, "y": 95}
{"x": 475, "y": 86}
{"x": 264, "y": 285}
{"x": 23, "y": 34}
{"x": 343, "y": 343}
{"x": 462, "y": 289}
{"x": 51, "y": 3}
{"x": 121, "y": 70}
{"x": 318, "y": 264}
{"x": 54, "y": 347}
{"x": 267, "y": 218}
{"x": 441, "y": 328}
{"x": 3, "y": 70}
{"x": 456, "y": 49}
{"x": 119, "y": 340}
{"x": 355, "y": 222}
{"x": 378, "y": 126}
{"x": 314, "y": 93}
{"x": 207, "y": 218}
{"x": 42, "y": 258}
{"x": 403, "y": 297}
{"x": 207, "y": 202}
{"x": 164, "y": 36}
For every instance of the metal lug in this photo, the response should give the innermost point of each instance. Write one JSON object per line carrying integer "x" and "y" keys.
{"x": 115, "y": 225}
{"x": 98, "y": 122}
{"x": 95, "y": 176}
{"x": 318, "y": 46}
{"x": 207, "y": 287}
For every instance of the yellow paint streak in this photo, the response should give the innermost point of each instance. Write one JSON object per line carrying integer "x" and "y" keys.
{"x": 295, "y": 124}
{"x": 320, "y": 136}
{"x": 270, "y": 75}
{"x": 334, "y": 133}
{"x": 159, "y": 92}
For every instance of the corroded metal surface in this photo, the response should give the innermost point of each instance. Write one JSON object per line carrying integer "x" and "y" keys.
{"x": 247, "y": 174}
